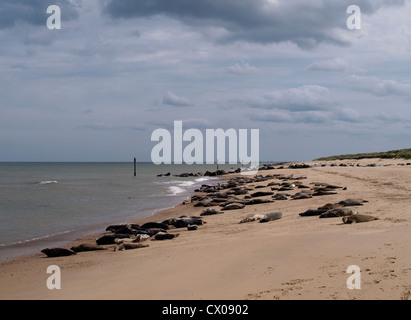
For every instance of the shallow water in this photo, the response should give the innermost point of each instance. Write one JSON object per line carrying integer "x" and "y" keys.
{"x": 45, "y": 203}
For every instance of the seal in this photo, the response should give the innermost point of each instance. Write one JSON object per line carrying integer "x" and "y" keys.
{"x": 311, "y": 213}
{"x": 352, "y": 202}
{"x": 252, "y": 217}
{"x": 86, "y": 248}
{"x": 358, "y": 218}
{"x": 323, "y": 193}
{"x": 110, "y": 238}
{"x": 210, "y": 212}
{"x": 154, "y": 225}
{"x": 262, "y": 194}
{"x": 272, "y": 216}
{"x": 185, "y": 221}
{"x": 57, "y": 252}
{"x": 166, "y": 236}
{"x": 192, "y": 227}
{"x": 339, "y": 212}
{"x": 302, "y": 195}
{"x": 139, "y": 238}
{"x": 330, "y": 206}
{"x": 130, "y": 246}
{"x": 258, "y": 201}
{"x": 234, "y": 206}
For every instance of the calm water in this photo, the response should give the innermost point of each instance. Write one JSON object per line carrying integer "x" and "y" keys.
{"x": 44, "y": 203}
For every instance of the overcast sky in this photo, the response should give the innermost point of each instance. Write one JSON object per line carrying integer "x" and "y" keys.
{"x": 119, "y": 69}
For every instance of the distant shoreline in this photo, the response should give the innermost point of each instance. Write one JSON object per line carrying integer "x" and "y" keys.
{"x": 394, "y": 154}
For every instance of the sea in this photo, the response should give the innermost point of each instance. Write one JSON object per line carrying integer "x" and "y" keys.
{"x": 45, "y": 205}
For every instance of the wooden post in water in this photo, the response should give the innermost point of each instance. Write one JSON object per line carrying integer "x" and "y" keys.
{"x": 135, "y": 167}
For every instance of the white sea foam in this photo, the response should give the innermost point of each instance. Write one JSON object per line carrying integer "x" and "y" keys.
{"x": 175, "y": 190}
{"x": 180, "y": 187}
{"x": 48, "y": 182}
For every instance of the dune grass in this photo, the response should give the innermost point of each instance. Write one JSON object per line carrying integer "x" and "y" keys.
{"x": 394, "y": 154}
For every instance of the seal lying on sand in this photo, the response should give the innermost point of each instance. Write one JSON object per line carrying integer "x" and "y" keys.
{"x": 339, "y": 212}
{"x": 157, "y": 225}
{"x": 252, "y": 217}
{"x": 234, "y": 206}
{"x": 166, "y": 236}
{"x": 130, "y": 246}
{"x": 57, "y": 252}
{"x": 352, "y": 202}
{"x": 358, "y": 218}
{"x": 302, "y": 195}
{"x": 330, "y": 206}
{"x": 139, "y": 238}
{"x": 258, "y": 201}
{"x": 110, "y": 238}
{"x": 87, "y": 248}
{"x": 311, "y": 213}
{"x": 210, "y": 212}
{"x": 272, "y": 216}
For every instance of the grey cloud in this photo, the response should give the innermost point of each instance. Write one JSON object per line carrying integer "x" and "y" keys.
{"x": 305, "y": 23}
{"x": 282, "y": 116}
{"x": 172, "y": 99}
{"x": 33, "y": 12}
{"x": 305, "y": 98}
{"x": 378, "y": 87}
{"x": 332, "y": 65}
{"x": 243, "y": 69}
{"x": 109, "y": 127}
{"x": 329, "y": 117}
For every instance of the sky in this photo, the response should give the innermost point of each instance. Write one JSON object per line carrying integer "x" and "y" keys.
{"x": 117, "y": 70}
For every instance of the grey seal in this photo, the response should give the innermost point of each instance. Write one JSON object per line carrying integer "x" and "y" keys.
{"x": 234, "y": 206}
{"x": 252, "y": 217}
{"x": 302, "y": 195}
{"x": 210, "y": 212}
{"x": 130, "y": 246}
{"x": 258, "y": 201}
{"x": 272, "y": 216}
{"x": 57, "y": 252}
{"x": 87, "y": 247}
{"x": 166, "y": 236}
{"x": 352, "y": 202}
{"x": 358, "y": 218}
{"x": 339, "y": 212}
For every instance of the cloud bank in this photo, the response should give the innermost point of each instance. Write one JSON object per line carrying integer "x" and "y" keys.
{"x": 305, "y": 23}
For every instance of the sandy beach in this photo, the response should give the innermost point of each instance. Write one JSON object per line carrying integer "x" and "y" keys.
{"x": 291, "y": 258}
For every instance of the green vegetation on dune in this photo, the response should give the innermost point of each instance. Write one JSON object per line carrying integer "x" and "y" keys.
{"x": 395, "y": 154}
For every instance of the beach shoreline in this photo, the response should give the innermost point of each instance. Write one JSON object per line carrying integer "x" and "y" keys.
{"x": 293, "y": 258}
{"x": 64, "y": 237}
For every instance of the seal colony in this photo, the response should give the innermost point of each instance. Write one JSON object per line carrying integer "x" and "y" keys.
{"x": 232, "y": 195}
{"x": 228, "y": 260}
